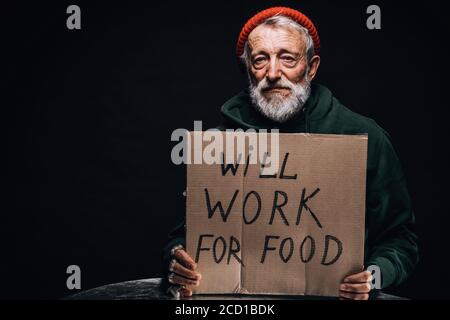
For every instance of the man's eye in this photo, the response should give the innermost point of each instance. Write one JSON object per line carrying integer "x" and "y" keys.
{"x": 258, "y": 60}
{"x": 288, "y": 59}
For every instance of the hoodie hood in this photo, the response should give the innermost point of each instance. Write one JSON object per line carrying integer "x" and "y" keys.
{"x": 239, "y": 112}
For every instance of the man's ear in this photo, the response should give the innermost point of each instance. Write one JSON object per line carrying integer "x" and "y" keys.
{"x": 313, "y": 66}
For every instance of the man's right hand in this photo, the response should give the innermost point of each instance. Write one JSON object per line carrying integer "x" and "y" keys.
{"x": 182, "y": 272}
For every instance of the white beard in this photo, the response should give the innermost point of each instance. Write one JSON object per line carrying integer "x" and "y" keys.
{"x": 278, "y": 107}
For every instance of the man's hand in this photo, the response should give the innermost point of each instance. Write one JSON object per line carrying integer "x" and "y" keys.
{"x": 356, "y": 286}
{"x": 182, "y": 272}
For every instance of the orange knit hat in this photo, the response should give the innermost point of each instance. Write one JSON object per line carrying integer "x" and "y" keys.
{"x": 262, "y": 16}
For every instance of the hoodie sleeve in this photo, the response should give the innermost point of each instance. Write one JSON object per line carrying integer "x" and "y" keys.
{"x": 391, "y": 244}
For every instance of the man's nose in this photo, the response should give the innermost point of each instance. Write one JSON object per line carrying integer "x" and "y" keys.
{"x": 274, "y": 72}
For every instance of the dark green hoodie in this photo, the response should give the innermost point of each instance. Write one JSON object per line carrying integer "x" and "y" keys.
{"x": 389, "y": 240}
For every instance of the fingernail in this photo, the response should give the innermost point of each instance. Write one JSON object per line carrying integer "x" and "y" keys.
{"x": 343, "y": 287}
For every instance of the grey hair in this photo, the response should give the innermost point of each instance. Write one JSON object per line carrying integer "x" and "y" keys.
{"x": 282, "y": 21}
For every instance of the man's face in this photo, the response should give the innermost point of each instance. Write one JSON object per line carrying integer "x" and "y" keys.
{"x": 278, "y": 71}
{"x": 277, "y": 52}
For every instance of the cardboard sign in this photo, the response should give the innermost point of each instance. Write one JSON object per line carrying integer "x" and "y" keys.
{"x": 296, "y": 231}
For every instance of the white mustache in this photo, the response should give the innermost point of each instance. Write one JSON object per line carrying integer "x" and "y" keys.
{"x": 283, "y": 83}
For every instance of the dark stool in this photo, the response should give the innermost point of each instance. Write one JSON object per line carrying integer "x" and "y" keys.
{"x": 149, "y": 289}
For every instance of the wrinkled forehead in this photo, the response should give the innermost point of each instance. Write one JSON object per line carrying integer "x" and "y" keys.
{"x": 273, "y": 39}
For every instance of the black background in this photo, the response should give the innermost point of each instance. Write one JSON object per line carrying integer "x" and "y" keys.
{"x": 89, "y": 113}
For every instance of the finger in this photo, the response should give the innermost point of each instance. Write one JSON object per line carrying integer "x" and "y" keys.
{"x": 356, "y": 287}
{"x": 353, "y": 296}
{"x": 185, "y": 259}
{"x": 177, "y": 279}
{"x": 185, "y": 292}
{"x": 361, "y": 277}
{"x": 185, "y": 272}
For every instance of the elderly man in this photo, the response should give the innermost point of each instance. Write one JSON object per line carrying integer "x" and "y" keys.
{"x": 279, "y": 47}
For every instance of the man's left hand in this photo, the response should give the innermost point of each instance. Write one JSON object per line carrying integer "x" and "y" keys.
{"x": 356, "y": 286}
